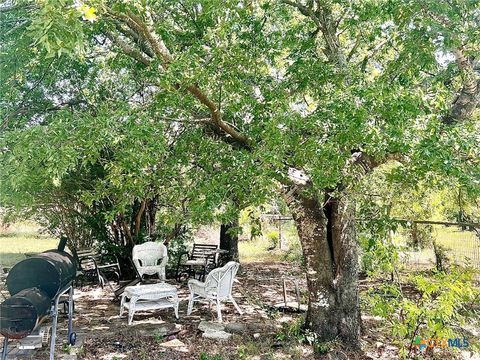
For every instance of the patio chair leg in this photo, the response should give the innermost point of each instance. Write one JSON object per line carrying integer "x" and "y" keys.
{"x": 190, "y": 304}
{"x": 99, "y": 279}
{"x": 122, "y": 305}
{"x": 236, "y": 305}
{"x": 130, "y": 317}
{"x": 219, "y": 311}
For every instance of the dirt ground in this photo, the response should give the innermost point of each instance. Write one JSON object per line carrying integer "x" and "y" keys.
{"x": 104, "y": 335}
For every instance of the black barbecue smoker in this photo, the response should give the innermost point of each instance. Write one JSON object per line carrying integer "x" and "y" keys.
{"x": 36, "y": 285}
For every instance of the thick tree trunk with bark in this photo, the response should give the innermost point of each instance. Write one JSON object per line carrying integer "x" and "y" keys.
{"x": 229, "y": 240}
{"x": 327, "y": 235}
{"x": 150, "y": 214}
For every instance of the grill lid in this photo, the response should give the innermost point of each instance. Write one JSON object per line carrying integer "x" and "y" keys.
{"x": 49, "y": 271}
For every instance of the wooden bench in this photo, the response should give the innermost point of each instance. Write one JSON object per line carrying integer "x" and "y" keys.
{"x": 203, "y": 256}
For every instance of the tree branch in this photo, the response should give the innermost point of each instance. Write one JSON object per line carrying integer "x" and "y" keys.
{"x": 322, "y": 18}
{"x": 132, "y": 35}
{"x": 368, "y": 163}
{"x": 354, "y": 48}
{"x": 304, "y": 10}
{"x": 157, "y": 45}
{"x": 189, "y": 121}
{"x": 65, "y": 104}
{"x": 216, "y": 116}
{"x": 467, "y": 100}
{"x": 161, "y": 51}
{"x": 138, "y": 218}
{"x": 127, "y": 49}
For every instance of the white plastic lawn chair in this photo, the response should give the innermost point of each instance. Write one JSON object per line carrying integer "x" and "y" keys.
{"x": 150, "y": 258}
{"x": 216, "y": 288}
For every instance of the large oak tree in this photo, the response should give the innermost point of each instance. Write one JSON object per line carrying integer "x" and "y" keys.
{"x": 299, "y": 97}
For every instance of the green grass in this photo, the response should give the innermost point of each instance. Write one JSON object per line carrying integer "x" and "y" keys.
{"x": 25, "y": 238}
{"x": 454, "y": 238}
{"x": 461, "y": 247}
{"x": 252, "y": 251}
{"x": 20, "y": 239}
{"x": 256, "y": 250}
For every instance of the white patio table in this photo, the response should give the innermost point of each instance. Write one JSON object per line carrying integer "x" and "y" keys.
{"x": 149, "y": 297}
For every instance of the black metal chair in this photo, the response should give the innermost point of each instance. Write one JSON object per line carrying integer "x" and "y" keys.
{"x": 92, "y": 267}
{"x": 203, "y": 258}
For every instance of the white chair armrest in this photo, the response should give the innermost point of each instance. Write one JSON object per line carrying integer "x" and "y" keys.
{"x": 195, "y": 282}
{"x": 195, "y": 286}
{"x": 164, "y": 261}
{"x": 136, "y": 262}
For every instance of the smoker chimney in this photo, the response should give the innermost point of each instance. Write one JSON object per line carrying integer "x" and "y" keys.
{"x": 62, "y": 244}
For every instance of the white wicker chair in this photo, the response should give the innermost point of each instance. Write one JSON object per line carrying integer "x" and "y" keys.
{"x": 216, "y": 288}
{"x": 150, "y": 258}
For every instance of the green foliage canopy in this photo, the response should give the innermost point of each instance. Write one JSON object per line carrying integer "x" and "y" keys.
{"x": 217, "y": 102}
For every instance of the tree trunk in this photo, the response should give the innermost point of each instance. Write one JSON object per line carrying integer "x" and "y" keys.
{"x": 327, "y": 235}
{"x": 415, "y": 237}
{"x": 178, "y": 229}
{"x": 138, "y": 219}
{"x": 229, "y": 240}
{"x": 150, "y": 214}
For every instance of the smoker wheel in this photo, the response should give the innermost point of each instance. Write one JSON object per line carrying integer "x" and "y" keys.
{"x": 72, "y": 338}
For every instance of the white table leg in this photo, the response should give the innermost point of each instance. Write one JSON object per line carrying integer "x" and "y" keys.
{"x": 122, "y": 304}
{"x": 175, "y": 305}
{"x": 131, "y": 309}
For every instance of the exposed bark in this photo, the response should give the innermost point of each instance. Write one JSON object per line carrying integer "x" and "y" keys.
{"x": 415, "y": 236}
{"x": 115, "y": 232}
{"x": 134, "y": 37}
{"x": 468, "y": 98}
{"x": 128, "y": 50}
{"x": 138, "y": 218}
{"x": 150, "y": 214}
{"x": 178, "y": 229}
{"x": 345, "y": 251}
{"x": 321, "y": 15}
{"x": 126, "y": 231}
{"x": 331, "y": 266}
{"x": 229, "y": 240}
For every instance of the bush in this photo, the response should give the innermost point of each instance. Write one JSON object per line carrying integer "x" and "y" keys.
{"x": 205, "y": 356}
{"x": 294, "y": 253}
{"x": 437, "y": 305}
{"x": 177, "y": 246}
{"x": 419, "y": 236}
{"x": 296, "y": 332}
{"x": 274, "y": 238}
{"x": 379, "y": 256}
